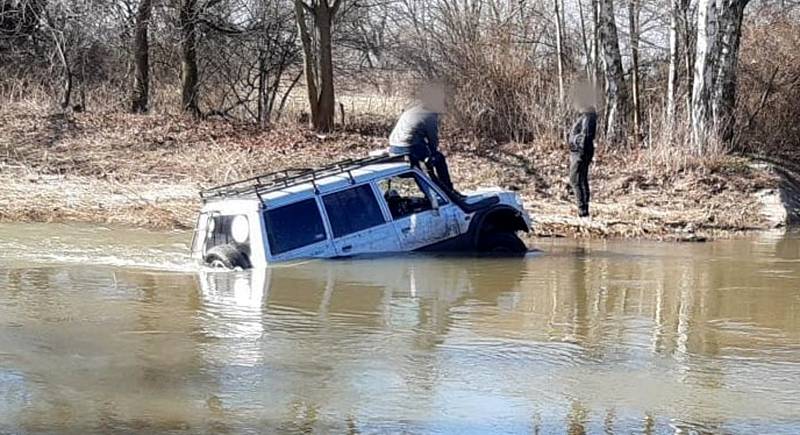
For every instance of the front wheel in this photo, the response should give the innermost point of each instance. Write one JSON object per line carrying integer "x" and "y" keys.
{"x": 502, "y": 243}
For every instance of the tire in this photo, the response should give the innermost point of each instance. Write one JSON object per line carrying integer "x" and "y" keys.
{"x": 502, "y": 243}
{"x": 227, "y": 257}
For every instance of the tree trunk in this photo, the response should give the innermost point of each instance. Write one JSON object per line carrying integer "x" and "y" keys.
{"x": 141, "y": 55}
{"x": 633, "y": 21}
{"x": 189, "y": 74}
{"x": 704, "y": 74}
{"x": 672, "y": 79}
{"x": 309, "y": 60}
{"x": 262, "y": 112}
{"x": 559, "y": 51}
{"x": 688, "y": 55}
{"x": 324, "y": 121}
{"x": 66, "y": 96}
{"x": 585, "y": 41}
{"x": 318, "y": 64}
{"x": 616, "y": 114}
{"x": 724, "y": 103}
{"x": 595, "y": 42}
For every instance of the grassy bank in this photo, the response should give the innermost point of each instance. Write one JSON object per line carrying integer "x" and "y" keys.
{"x": 147, "y": 170}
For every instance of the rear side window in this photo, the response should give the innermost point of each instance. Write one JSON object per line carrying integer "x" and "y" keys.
{"x": 353, "y": 210}
{"x": 294, "y": 226}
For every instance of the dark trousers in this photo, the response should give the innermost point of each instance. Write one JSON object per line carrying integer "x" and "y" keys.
{"x": 579, "y": 178}
{"x": 437, "y": 166}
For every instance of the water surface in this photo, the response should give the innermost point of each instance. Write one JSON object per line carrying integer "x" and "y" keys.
{"x": 114, "y": 330}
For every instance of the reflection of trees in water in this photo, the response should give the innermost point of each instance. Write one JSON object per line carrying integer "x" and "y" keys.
{"x": 596, "y": 299}
{"x": 163, "y": 356}
{"x": 577, "y": 419}
{"x": 695, "y": 305}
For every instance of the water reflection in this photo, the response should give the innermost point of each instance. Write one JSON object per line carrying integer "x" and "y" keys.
{"x": 589, "y": 338}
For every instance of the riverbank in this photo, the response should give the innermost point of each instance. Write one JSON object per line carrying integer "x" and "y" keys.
{"x": 147, "y": 170}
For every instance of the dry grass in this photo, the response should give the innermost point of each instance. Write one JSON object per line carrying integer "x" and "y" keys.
{"x": 146, "y": 171}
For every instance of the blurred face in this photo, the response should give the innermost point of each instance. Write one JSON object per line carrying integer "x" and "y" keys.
{"x": 434, "y": 98}
{"x": 583, "y": 98}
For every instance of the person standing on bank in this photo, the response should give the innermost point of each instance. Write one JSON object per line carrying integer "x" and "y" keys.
{"x": 416, "y": 133}
{"x": 581, "y": 147}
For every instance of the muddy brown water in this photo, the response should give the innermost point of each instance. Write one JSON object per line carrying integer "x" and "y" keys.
{"x": 111, "y": 330}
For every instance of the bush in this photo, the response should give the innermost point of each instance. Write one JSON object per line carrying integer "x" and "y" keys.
{"x": 769, "y": 88}
{"x": 502, "y": 97}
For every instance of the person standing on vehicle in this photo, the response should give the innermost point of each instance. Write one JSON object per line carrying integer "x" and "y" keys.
{"x": 581, "y": 146}
{"x": 416, "y": 133}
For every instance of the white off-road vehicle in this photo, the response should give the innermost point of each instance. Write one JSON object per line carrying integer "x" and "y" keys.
{"x": 374, "y": 205}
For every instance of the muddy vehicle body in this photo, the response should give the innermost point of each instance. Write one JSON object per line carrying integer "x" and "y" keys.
{"x": 375, "y": 205}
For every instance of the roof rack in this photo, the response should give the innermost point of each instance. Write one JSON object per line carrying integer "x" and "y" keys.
{"x": 278, "y": 180}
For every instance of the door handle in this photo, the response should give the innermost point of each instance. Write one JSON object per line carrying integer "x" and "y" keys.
{"x": 347, "y": 248}
{"x": 406, "y": 230}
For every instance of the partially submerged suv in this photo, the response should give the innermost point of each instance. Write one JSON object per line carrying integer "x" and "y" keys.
{"x": 372, "y": 205}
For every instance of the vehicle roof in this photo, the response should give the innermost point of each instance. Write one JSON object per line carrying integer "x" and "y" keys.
{"x": 324, "y": 184}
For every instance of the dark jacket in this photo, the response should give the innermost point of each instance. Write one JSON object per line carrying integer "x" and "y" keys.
{"x": 416, "y": 133}
{"x": 582, "y": 134}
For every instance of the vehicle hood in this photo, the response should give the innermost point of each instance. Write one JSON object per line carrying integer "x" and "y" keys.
{"x": 505, "y": 196}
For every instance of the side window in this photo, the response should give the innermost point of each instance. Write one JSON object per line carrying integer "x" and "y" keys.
{"x": 294, "y": 226}
{"x": 353, "y": 210}
{"x": 406, "y": 194}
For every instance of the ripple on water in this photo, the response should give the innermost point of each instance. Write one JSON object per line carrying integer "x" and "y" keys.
{"x": 581, "y": 341}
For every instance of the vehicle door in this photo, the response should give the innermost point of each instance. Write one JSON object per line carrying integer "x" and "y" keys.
{"x": 357, "y": 222}
{"x": 422, "y": 216}
{"x": 296, "y": 230}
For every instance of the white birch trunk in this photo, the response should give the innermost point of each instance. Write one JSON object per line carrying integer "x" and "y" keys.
{"x": 731, "y": 15}
{"x": 688, "y": 56}
{"x": 633, "y": 27}
{"x": 672, "y": 80}
{"x": 704, "y": 74}
{"x": 559, "y": 51}
{"x": 714, "y": 95}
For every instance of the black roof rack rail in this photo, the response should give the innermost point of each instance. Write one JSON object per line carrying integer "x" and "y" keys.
{"x": 270, "y": 182}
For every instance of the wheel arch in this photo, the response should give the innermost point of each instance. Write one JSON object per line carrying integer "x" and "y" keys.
{"x": 499, "y": 218}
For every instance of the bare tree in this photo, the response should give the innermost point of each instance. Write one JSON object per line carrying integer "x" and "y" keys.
{"x": 730, "y": 34}
{"x": 586, "y": 44}
{"x": 190, "y": 81}
{"x": 141, "y": 58}
{"x": 249, "y": 51}
{"x": 508, "y": 61}
{"x": 705, "y": 59}
{"x": 713, "y": 98}
{"x": 318, "y": 58}
{"x": 616, "y": 113}
{"x": 559, "y": 48}
{"x": 634, "y": 9}
{"x": 675, "y": 16}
